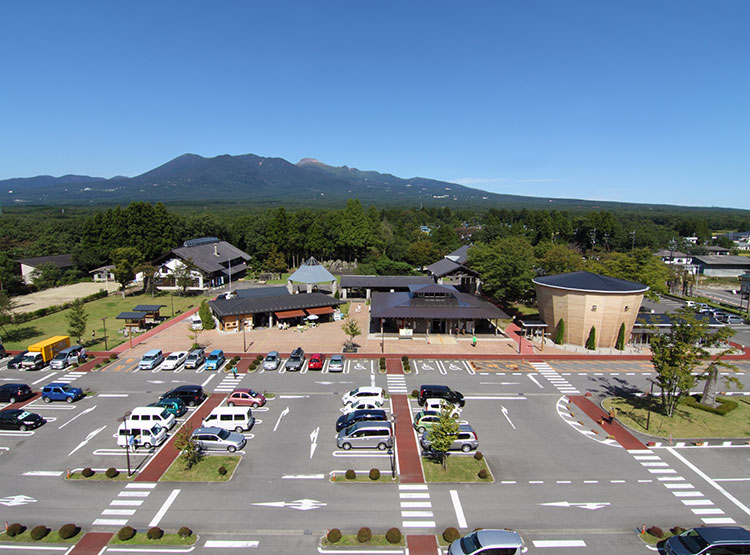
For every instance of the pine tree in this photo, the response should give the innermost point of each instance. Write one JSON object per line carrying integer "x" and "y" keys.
{"x": 560, "y": 335}
{"x": 77, "y": 318}
{"x": 620, "y": 346}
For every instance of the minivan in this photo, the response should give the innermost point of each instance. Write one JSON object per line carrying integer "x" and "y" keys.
{"x": 709, "y": 539}
{"x": 366, "y": 435}
{"x": 137, "y": 436}
{"x": 369, "y": 393}
{"x": 214, "y": 360}
{"x": 71, "y": 355}
{"x": 195, "y": 358}
{"x": 191, "y": 395}
{"x": 440, "y": 392}
{"x": 152, "y": 415}
{"x": 238, "y": 419}
{"x": 151, "y": 359}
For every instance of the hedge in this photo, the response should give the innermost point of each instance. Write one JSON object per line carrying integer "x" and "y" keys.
{"x": 725, "y": 405}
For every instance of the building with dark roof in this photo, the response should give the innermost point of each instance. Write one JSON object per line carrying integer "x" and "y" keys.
{"x": 29, "y": 265}
{"x": 722, "y": 265}
{"x": 363, "y": 286}
{"x": 583, "y": 301}
{"x": 266, "y": 306}
{"x": 433, "y": 308}
{"x": 451, "y": 270}
{"x": 215, "y": 263}
{"x": 647, "y": 325}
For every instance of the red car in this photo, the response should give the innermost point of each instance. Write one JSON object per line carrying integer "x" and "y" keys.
{"x": 316, "y": 362}
{"x": 243, "y": 396}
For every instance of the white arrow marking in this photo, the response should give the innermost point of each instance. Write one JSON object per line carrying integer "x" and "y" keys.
{"x": 590, "y": 506}
{"x": 282, "y": 415}
{"x": 314, "y": 441}
{"x": 299, "y": 504}
{"x": 155, "y": 381}
{"x": 505, "y": 414}
{"x": 13, "y": 500}
{"x": 533, "y": 379}
{"x": 88, "y": 438}
{"x": 325, "y": 383}
{"x": 77, "y": 415}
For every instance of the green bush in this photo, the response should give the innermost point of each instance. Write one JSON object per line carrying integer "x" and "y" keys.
{"x": 259, "y": 358}
{"x": 67, "y": 531}
{"x": 87, "y": 472}
{"x": 222, "y": 470}
{"x": 677, "y": 530}
{"x": 154, "y": 533}
{"x": 184, "y": 532}
{"x": 207, "y": 319}
{"x": 112, "y": 472}
{"x": 350, "y": 474}
{"x": 478, "y": 455}
{"x": 620, "y": 345}
{"x": 15, "y": 529}
{"x": 393, "y": 535}
{"x": 560, "y": 335}
{"x": 404, "y": 358}
{"x": 112, "y": 357}
{"x": 333, "y": 535}
{"x": 725, "y": 405}
{"x": 483, "y": 474}
{"x": 126, "y": 533}
{"x": 364, "y": 535}
{"x": 374, "y": 474}
{"x": 655, "y": 531}
{"x": 451, "y": 534}
{"x": 38, "y": 532}
{"x": 591, "y": 341}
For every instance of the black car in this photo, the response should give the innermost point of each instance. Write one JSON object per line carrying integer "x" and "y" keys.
{"x": 708, "y": 540}
{"x": 15, "y": 362}
{"x": 14, "y": 392}
{"x": 440, "y": 392}
{"x": 296, "y": 360}
{"x": 191, "y": 395}
{"x": 369, "y": 415}
{"x": 18, "y": 419}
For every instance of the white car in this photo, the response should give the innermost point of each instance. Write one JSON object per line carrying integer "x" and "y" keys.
{"x": 174, "y": 360}
{"x": 437, "y": 405}
{"x": 359, "y": 404}
{"x": 374, "y": 394}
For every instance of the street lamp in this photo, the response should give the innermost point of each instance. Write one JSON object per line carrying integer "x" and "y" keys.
{"x": 104, "y": 323}
{"x": 124, "y": 420}
{"x": 650, "y": 401}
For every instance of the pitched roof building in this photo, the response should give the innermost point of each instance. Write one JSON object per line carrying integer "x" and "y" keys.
{"x": 29, "y": 265}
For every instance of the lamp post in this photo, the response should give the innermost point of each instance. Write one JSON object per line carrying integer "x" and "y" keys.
{"x": 124, "y": 420}
{"x": 244, "y": 337}
{"x": 650, "y": 402}
{"x": 104, "y": 323}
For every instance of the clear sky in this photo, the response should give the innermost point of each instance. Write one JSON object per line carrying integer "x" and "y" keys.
{"x": 644, "y": 101}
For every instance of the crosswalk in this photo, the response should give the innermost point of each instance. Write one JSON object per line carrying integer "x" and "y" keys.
{"x": 415, "y": 506}
{"x": 229, "y": 383}
{"x": 125, "y": 505}
{"x": 553, "y": 377}
{"x": 70, "y": 377}
{"x": 396, "y": 384}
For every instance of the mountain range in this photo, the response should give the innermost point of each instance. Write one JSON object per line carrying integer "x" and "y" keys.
{"x": 256, "y": 180}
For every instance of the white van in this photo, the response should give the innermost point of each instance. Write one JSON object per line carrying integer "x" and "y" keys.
{"x": 195, "y": 322}
{"x": 236, "y": 419}
{"x": 147, "y": 416}
{"x": 137, "y": 436}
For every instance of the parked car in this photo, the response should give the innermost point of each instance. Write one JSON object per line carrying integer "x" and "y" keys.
{"x": 336, "y": 363}
{"x": 15, "y": 362}
{"x": 151, "y": 359}
{"x": 218, "y": 439}
{"x": 191, "y": 395}
{"x": 370, "y": 393}
{"x": 364, "y": 415}
{"x": 195, "y": 322}
{"x": 438, "y": 405}
{"x": 238, "y": 419}
{"x": 72, "y": 355}
{"x": 173, "y": 361}
{"x": 19, "y": 419}
{"x": 172, "y": 404}
{"x": 214, "y": 360}
{"x": 195, "y": 358}
{"x": 732, "y": 320}
{"x": 296, "y": 360}
{"x": 243, "y": 396}
{"x": 690, "y": 304}
{"x": 366, "y": 435}
{"x": 14, "y": 392}
{"x": 137, "y": 435}
{"x": 709, "y": 540}
{"x": 491, "y": 542}
{"x": 440, "y": 392}
{"x": 465, "y": 441}
{"x": 360, "y": 404}
{"x": 59, "y": 391}
{"x": 33, "y": 360}
{"x": 424, "y": 420}
{"x": 272, "y": 361}
{"x": 316, "y": 362}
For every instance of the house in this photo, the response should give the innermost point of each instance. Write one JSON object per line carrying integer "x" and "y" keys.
{"x": 451, "y": 270}
{"x": 716, "y": 250}
{"x": 673, "y": 257}
{"x": 29, "y": 265}
{"x": 104, "y": 273}
{"x": 215, "y": 263}
{"x": 722, "y": 265}
{"x": 353, "y": 286}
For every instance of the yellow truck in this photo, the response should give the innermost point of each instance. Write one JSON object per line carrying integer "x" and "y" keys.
{"x": 42, "y": 352}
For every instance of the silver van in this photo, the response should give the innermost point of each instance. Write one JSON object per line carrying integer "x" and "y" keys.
{"x": 72, "y": 355}
{"x": 366, "y": 435}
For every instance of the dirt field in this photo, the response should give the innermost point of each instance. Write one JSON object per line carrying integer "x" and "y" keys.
{"x": 60, "y": 295}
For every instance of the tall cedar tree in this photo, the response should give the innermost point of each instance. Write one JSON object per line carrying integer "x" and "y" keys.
{"x": 620, "y": 345}
{"x": 560, "y": 335}
{"x": 77, "y": 319}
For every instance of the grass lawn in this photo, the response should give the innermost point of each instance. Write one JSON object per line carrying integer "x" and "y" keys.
{"x": 167, "y": 539}
{"x": 653, "y": 540}
{"x": 526, "y": 310}
{"x": 205, "y": 471}
{"x": 21, "y": 336}
{"x": 687, "y": 422}
{"x": 52, "y": 537}
{"x": 350, "y": 540}
{"x": 460, "y": 468}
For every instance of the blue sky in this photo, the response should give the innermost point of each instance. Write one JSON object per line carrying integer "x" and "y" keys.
{"x": 633, "y": 101}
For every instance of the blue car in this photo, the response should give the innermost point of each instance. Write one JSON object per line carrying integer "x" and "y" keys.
{"x": 215, "y": 360}
{"x": 59, "y": 391}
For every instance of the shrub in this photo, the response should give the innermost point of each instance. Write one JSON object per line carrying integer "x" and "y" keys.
{"x": 87, "y": 472}
{"x": 560, "y": 335}
{"x": 112, "y": 472}
{"x": 483, "y": 474}
{"x": 154, "y": 533}
{"x": 67, "y": 531}
{"x": 112, "y": 357}
{"x": 415, "y": 393}
{"x": 451, "y": 534}
{"x": 350, "y": 474}
{"x": 257, "y": 359}
{"x": 677, "y": 530}
{"x": 333, "y": 535}
{"x": 478, "y": 455}
{"x": 126, "y": 533}
{"x": 364, "y": 534}
{"x": 655, "y": 531}
{"x": 725, "y": 405}
{"x": 38, "y": 532}
{"x": 620, "y": 345}
{"x": 591, "y": 341}
{"x": 404, "y": 358}
{"x": 222, "y": 470}
{"x": 393, "y": 535}
{"x": 15, "y": 529}
{"x": 184, "y": 532}
{"x": 374, "y": 474}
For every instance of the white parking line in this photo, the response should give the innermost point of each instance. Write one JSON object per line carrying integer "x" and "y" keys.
{"x": 559, "y": 543}
{"x": 164, "y": 508}
{"x": 460, "y": 518}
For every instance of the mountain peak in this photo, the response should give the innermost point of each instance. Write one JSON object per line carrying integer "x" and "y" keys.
{"x": 310, "y": 162}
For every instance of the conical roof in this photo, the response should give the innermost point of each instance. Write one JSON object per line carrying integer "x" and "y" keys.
{"x": 312, "y": 272}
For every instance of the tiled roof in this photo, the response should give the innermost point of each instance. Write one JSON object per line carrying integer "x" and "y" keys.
{"x": 59, "y": 260}
{"x": 212, "y": 257}
{"x": 384, "y": 281}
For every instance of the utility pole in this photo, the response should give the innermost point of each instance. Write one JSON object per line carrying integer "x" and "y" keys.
{"x": 104, "y": 323}
{"x": 632, "y": 239}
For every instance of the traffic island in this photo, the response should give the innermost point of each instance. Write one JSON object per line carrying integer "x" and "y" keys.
{"x": 212, "y": 468}
{"x": 363, "y": 538}
{"x": 154, "y": 537}
{"x": 459, "y": 469}
{"x": 372, "y": 476}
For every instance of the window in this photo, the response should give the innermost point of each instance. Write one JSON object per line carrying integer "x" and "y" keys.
{"x": 627, "y": 308}
{"x": 593, "y": 308}
{"x": 225, "y": 417}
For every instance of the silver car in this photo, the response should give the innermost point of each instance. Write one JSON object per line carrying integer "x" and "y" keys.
{"x": 465, "y": 441}
{"x": 195, "y": 358}
{"x": 507, "y": 542}
{"x": 218, "y": 439}
{"x": 336, "y": 363}
{"x": 272, "y": 361}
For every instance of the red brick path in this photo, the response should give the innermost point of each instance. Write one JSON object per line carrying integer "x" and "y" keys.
{"x": 91, "y": 543}
{"x": 422, "y": 545}
{"x": 621, "y": 435}
{"x": 409, "y": 464}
